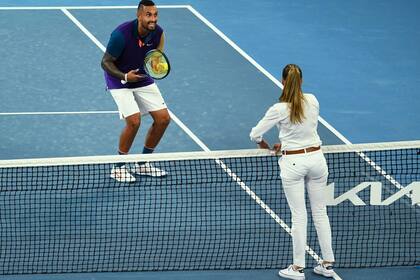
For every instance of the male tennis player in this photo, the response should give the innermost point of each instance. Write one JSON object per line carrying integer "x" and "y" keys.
{"x": 302, "y": 163}
{"x": 133, "y": 91}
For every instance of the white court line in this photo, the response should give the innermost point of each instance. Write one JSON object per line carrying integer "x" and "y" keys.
{"x": 84, "y": 30}
{"x": 189, "y": 132}
{"x": 86, "y": 8}
{"x": 235, "y": 178}
{"x": 57, "y": 113}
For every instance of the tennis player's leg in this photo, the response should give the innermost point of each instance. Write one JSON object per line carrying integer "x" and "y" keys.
{"x": 292, "y": 172}
{"x": 132, "y": 124}
{"x": 150, "y": 100}
{"x": 130, "y": 112}
{"x": 161, "y": 120}
{"x": 316, "y": 182}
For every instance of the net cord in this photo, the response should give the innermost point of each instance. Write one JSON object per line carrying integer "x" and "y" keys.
{"x": 61, "y": 161}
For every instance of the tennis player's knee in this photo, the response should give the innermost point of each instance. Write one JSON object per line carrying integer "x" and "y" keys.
{"x": 133, "y": 122}
{"x": 163, "y": 120}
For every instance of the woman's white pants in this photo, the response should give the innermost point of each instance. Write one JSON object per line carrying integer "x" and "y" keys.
{"x": 310, "y": 170}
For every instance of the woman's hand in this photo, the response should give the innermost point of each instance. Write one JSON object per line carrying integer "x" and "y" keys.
{"x": 277, "y": 148}
{"x": 263, "y": 145}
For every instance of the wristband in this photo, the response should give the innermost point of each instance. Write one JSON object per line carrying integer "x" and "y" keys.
{"x": 125, "y": 77}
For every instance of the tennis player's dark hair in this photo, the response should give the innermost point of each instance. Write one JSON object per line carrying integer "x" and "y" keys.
{"x": 145, "y": 3}
{"x": 292, "y": 92}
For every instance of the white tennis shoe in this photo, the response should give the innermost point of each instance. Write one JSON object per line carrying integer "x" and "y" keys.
{"x": 290, "y": 273}
{"x": 121, "y": 174}
{"x": 148, "y": 169}
{"x": 325, "y": 270}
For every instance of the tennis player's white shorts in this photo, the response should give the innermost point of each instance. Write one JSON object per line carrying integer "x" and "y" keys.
{"x": 134, "y": 100}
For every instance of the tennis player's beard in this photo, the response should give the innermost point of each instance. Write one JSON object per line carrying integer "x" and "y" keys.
{"x": 148, "y": 28}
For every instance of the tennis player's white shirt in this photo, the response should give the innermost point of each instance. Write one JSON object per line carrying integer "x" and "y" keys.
{"x": 300, "y": 170}
{"x": 134, "y": 100}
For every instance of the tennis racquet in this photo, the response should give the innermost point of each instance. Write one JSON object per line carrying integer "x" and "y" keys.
{"x": 156, "y": 64}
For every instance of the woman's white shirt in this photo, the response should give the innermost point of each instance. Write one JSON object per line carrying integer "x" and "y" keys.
{"x": 292, "y": 136}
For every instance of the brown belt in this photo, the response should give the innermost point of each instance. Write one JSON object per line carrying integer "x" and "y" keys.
{"x": 301, "y": 151}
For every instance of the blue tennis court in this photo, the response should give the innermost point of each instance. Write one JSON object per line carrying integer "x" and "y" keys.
{"x": 225, "y": 75}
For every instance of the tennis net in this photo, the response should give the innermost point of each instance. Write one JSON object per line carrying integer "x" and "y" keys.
{"x": 213, "y": 210}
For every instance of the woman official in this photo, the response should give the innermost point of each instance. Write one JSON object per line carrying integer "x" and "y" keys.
{"x": 302, "y": 165}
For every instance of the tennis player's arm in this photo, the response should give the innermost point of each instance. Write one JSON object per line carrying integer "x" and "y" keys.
{"x": 155, "y": 61}
{"x": 114, "y": 49}
{"x": 108, "y": 64}
{"x": 161, "y": 42}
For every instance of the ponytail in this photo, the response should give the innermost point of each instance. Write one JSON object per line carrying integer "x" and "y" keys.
{"x": 292, "y": 92}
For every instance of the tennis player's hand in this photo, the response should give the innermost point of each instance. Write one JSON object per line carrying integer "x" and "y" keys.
{"x": 133, "y": 76}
